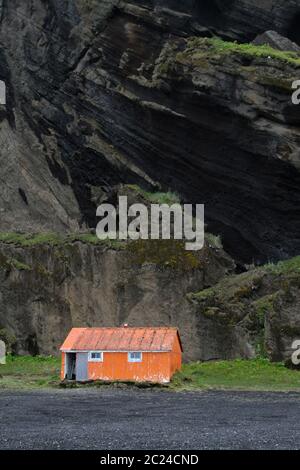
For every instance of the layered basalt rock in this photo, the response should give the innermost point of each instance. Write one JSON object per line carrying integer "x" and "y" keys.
{"x": 93, "y": 103}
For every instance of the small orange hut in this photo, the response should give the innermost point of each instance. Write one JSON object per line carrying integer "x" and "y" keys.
{"x": 124, "y": 354}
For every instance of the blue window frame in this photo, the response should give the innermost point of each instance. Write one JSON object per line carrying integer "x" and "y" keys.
{"x": 95, "y": 356}
{"x": 135, "y": 357}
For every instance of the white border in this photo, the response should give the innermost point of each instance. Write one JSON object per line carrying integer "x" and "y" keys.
{"x": 92, "y": 359}
{"x": 135, "y": 360}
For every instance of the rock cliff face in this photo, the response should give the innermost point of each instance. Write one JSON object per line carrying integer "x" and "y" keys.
{"x": 102, "y": 91}
{"x": 151, "y": 93}
{"x": 260, "y": 306}
{"x": 46, "y": 289}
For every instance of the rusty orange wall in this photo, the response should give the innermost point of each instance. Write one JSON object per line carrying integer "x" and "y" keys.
{"x": 176, "y": 357}
{"x": 155, "y": 367}
{"x": 62, "y": 371}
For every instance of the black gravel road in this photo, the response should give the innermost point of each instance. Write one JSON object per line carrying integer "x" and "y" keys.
{"x": 148, "y": 419}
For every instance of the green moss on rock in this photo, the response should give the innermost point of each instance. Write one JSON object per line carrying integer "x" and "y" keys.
{"x": 202, "y": 49}
{"x": 203, "y": 295}
{"x": 168, "y": 198}
{"x": 263, "y": 306}
{"x": 55, "y": 239}
{"x": 285, "y": 267}
{"x": 8, "y": 263}
{"x": 164, "y": 253}
{"x": 266, "y": 295}
{"x": 42, "y": 271}
{"x": 277, "y": 82}
{"x": 22, "y": 239}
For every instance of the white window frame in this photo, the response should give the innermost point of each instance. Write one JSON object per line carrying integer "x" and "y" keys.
{"x": 133, "y": 359}
{"x": 93, "y": 359}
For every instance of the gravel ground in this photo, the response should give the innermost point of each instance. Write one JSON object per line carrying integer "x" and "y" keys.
{"x": 148, "y": 420}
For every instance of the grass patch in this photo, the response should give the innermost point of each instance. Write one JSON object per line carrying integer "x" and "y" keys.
{"x": 7, "y": 263}
{"x": 19, "y": 265}
{"x": 168, "y": 198}
{"x": 22, "y": 239}
{"x": 92, "y": 239}
{"x": 263, "y": 306}
{"x": 285, "y": 267}
{"x": 256, "y": 374}
{"x": 244, "y": 286}
{"x": 214, "y": 241}
{"x": 27, "y": 372}
{"x": 54, "y": 239}
{"x": 200, "y": 48}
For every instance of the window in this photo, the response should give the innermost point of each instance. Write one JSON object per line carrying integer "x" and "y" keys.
{"x": 95, "y": 356}
{"x": 134, "y": 357}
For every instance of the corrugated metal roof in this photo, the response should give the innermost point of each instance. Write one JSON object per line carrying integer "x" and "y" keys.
{"x": 121, "y": 339}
